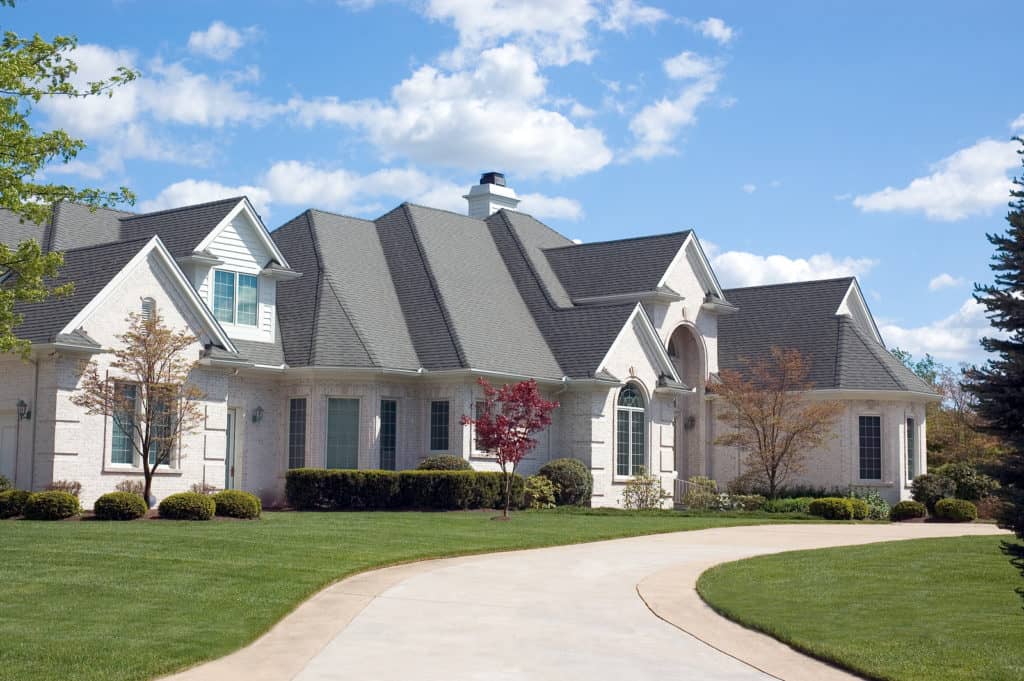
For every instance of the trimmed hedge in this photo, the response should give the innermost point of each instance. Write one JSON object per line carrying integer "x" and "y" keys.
{"x": 795, "y": 505}
{"x": 956, "y": 510}
{"x": 905, "y": 510}
{"x": 930, "y": 488}
{"x": 52, "y": 505}
{"x": 572, "y": 479}
{"x": 444, "y": 462}
{"x": 317, "y": 489}
{"x": 119, "y": 506}
{"x": 860, "y": 508}
{"x": 833, "y": 508}
{"x": 188, "y": 506}
{"x": 234, "y": 503}
{"x": 12, "y": 502}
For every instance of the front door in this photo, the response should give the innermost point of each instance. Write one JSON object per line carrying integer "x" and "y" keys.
{"x": 8, "y": 445}
{"x": 342, "y": 433}
{"x": 229, "y": 454}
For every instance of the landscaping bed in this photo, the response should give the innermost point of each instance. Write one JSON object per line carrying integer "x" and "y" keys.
{"x": 909, "y": 610}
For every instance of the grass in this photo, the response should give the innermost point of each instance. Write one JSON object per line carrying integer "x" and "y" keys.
{"x": 95, "y": 601}
{"x": 922, "y": 609}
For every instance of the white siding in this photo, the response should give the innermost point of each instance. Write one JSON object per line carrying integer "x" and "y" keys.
{"x": 242, "y": 250}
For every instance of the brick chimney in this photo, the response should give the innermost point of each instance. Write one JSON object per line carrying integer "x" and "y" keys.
{"x": 490, "y": 196}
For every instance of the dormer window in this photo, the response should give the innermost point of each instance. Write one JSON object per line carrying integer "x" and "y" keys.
{"x": 234, "y": 297}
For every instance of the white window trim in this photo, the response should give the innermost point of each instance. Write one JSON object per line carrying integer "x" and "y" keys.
{"x": 880, "y": 480}
{"x": 474, "y": 451}
{"x": 236, "y": 299}
{"x": 359, "y": 430}
{"x": 616, "y": 476}
{"x": 430, "y": 426}
{"x": 911, "y": 455}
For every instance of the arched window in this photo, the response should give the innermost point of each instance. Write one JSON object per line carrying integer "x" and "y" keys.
{"x": 630, "y": 422}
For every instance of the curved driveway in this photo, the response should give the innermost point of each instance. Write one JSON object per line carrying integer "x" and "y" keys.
{"x": 565, "y": 613}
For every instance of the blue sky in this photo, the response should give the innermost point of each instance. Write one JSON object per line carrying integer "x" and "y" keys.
{"x": 800, "y": 140}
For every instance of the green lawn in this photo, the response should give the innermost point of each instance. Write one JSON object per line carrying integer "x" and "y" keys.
{"x": 923, "y": 609}
{"x": 97, "y": 601}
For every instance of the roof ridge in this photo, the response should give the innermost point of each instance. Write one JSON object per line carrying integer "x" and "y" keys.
{"x": 623, "y": 239}
{"x": 339, "y": 215}
{"x": 535, "y": 219}
{"x": 134, "y": 216}
{"x": 522, "y": 252}
{"x": 874, "y": 348}
{"x": 107, "y": 244}
{"x": 792, "y": 283}
{"x": 319, "y": 285}
{"x": 439, "y": 210}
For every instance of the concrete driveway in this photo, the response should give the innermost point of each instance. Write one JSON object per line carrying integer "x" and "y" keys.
{"x": 566, "y": 613}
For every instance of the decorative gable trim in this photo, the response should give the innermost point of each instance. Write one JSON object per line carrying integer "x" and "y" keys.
{"x": 855, "y": 306}
{"x": 693, "y": 253}
{"x": 191, "y": 297}
{"x": 639, "y": 319}
{"x": 244, "y": 207}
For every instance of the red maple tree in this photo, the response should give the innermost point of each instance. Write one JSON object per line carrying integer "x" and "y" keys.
{"x": 505, "y": 426}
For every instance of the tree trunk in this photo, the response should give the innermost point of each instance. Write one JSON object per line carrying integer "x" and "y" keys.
{"x": 508, "y": 492}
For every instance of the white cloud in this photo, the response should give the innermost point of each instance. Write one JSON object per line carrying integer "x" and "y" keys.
{"x": 944, "y": 280}
{"x": 749, "y": 188}
{"x": 689, "y": 65}
{"x": 739, "y": 268}
{"x": 490, "y": 116}
{"x": 969, "y": 182}
{"x": 558, "y": 207}
{"x": 219, "y": 41}
{"x": 954, "y": 338}
{"x": 190, "y": 191}
{"x": 716, "y": 29}
{"x": 625, "y": 14}
{"x": 1018, "y": 123}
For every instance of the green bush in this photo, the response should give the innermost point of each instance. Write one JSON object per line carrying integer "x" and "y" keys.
{"x": 540, "y": 492}
{"x": 572, "y": 478}
{"x": 12, "y": 502}
{"x": 833, "y": 508}
{"x": 315, "y": 489}
{"x": 796, "y": 505}
{"x": 5, "y": 483}
{"x": 968, "y": 482}
{"x": 878, "y": 508}
{"x": 234, "y": 503}
{"x": 860, "y": 508}
{"x": 444, "y": 462}
{"x": 701, "y": 494}
{"x": 643, "y": 492}
{"x": 956, "y": 510}
{"x": 51, "y": 505}
{"x": 748, "y": 502}
{"x": 188, "y": 506}
{"x": 119, "y": 506}
{"x": 929, "y": 488}
{"x": 906, "y": 510}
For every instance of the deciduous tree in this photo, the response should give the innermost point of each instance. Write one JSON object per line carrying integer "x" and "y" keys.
{"x": 511, "y": 415}
{"x": 148, "y": 393}
{"x": 771, "y": 419}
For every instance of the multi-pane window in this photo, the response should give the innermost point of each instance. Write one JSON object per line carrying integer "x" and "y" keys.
{"x": 629, "y": 431}
{"x": 439, "y": 426}
{"x": 297, "y": 432}
{"x": 870, "y": 436}
{"x": 224, "y": 296}
{"x": 161, "y": 448}
{"x": 388, "y": 433}
{"x": 911, "y": 450}
{"x": 123, "y": 432}
{"x": 478, "y": 410}
{"x": 235, "y": 298}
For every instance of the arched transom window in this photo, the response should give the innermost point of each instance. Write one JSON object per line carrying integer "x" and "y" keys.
{"x": 629, "y": 431}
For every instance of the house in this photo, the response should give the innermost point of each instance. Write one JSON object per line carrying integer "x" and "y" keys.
{"x": 341, "y": 342}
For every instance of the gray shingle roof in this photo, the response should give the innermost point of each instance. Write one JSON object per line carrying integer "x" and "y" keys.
{"x": 14, "y": 230}
{"x": 802, "y": 316}
{"x": 615, "y": 267}
{"x": 181, "y": 229}
{"x": 77, "y": 226}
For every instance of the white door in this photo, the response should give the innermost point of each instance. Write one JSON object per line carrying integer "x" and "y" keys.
{"x": 8, "y": 445}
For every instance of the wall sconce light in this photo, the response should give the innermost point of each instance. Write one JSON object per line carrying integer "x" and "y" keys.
{"x": 257, "y": 414}
{"x": 24, "y": 413}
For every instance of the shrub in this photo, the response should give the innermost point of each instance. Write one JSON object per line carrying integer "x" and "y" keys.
{"x": 748, "y": 502}
{"x": 358, "y": 490}
{"x": 878, "y": 508}
{"x": 444, "y": 462}
{"x": 860, "y": 508}
{"x": 204, "y": 488}
{"x": 187, "y": 506}
{"x": 956, "y": 510}
{"x": 643, "y": 492}
{"x": 929, "y": 488}
{"x": 572, "y": 478}
{"x": 905, "y": 510}
{"x": 12, "y": 502}
{"x": 796, "y": 505}
{"x": 540, "y": 492}
{"x": 119, "y": 506}
{"x": 132, "y": 486}
{"x": 832, "y": 508}
{"x": 968, "y": 482}
{"x": 702, "y": 494}
{"x": 51, "y": 505}
{"x": 5, "y": 483}
{"x": 72, "y": 487}
{"x": 234, "y": 503}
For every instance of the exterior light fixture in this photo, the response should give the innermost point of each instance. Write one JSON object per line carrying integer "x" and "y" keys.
{"x": 24, "y": 413}
{"x": 257, "y": 414}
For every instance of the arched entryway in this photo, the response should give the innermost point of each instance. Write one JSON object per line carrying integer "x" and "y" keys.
{"x": 686, "y": 350}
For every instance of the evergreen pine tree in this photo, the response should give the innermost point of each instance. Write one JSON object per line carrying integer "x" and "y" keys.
{"x": 999, "y": 384}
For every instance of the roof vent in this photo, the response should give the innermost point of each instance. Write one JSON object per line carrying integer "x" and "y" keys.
{"x": 490, "y": 196}
{"x": 493, "y": 178}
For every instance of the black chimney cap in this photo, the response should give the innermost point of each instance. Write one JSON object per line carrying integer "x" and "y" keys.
{"x": 493, "y": 178}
